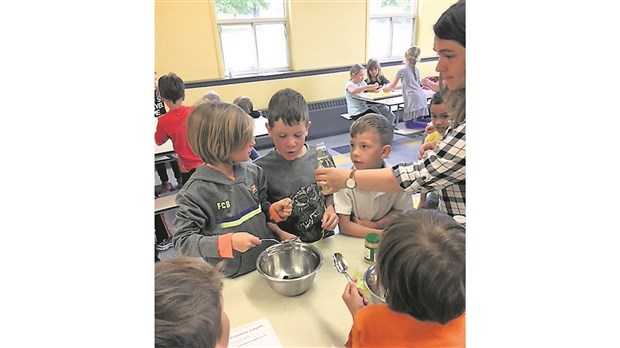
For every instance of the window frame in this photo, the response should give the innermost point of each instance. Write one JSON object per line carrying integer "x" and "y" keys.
{"x": 390, "y": 16}
{"x": 254, "y": 22}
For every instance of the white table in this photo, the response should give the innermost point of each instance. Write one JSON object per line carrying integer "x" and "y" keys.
{"x": 316, "y": 318}
{"x": 165, "y": 203}
{"x": 393, "y": 98}
{"x": 260, "y": 129}
{"x": 163, "y": 149}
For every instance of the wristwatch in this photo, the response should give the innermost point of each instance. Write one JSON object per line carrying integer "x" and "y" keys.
{"x": 350, "y": 183}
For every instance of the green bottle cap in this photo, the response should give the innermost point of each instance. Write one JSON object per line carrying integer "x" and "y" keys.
{"x": 373, "y": 238}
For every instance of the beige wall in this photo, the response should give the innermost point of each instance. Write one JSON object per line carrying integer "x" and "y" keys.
{"x": 323, "y": 34}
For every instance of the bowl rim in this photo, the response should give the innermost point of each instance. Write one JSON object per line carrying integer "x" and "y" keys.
{"x": 366, "y": 275}
{"x": 289, "y": 245}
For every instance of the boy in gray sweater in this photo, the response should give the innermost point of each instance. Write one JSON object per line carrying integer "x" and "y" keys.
{"x": 289, "y": 169}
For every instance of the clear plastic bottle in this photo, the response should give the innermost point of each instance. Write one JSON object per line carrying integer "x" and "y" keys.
{"x": 323, "y": 158}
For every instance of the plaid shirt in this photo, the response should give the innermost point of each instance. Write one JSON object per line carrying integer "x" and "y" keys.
{"x": 442, "y": 168}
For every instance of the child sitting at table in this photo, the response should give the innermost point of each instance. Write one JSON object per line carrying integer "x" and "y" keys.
{"x": 440, "y": 119}
{"x": 374, "y": 73}
{"x": 421, "y": 266}
{"x": 189, "y": 308}
{"x": 356, "y": 107}
{"x": 223, "y": 207}
{"x": 413, "y": 95}
{"x": 172, "y": 125}
{"x": 289, "y": 169}
{"x": 361, "y": 212}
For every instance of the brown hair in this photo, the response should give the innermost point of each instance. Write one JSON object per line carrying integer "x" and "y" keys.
{"x": 188, "y": 303}
{"x": 375, "y": 123}
{"x": 215, "y": 130}
{"x": 421, "y": 265}
{"x": 373, "y": 63}
{"x": 244, "y": 103}
{"x": 289, "y": 106}
{"x": 451, "y": 26}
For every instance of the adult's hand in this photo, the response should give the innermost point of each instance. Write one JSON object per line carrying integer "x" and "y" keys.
{"x": 426, "y": 146}
{"x": 333, "y": 178}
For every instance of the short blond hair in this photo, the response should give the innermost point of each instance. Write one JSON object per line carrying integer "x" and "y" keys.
{"x": 215, "y": 130}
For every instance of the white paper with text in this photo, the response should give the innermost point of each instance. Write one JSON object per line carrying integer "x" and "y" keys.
{"x": 255, "y": 334}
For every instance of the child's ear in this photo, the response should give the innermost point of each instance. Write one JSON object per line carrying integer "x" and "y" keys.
{"x": 268, "y": 130}
{"x": 385, "y": 151}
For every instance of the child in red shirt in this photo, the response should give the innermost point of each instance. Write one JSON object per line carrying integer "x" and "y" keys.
{"x": 172, "y": 125}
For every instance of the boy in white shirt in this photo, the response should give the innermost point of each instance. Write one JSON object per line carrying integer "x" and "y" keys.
{"x": 361, "y": 212}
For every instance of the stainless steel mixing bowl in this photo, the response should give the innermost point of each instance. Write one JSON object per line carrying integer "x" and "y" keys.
{"x": 290, "y": 267}
{"x": 376, "y": 292}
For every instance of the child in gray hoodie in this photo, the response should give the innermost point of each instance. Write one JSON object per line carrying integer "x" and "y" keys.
{"x": 223, "y": 207}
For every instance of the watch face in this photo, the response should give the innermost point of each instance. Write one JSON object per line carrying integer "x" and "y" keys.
{"x": 350, "y": 183}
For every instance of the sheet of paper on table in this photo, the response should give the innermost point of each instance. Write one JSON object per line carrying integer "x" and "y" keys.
{"x": 255, "y": 334}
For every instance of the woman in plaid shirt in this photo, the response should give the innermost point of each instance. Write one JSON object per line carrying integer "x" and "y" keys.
{"x": 444, "y": 167}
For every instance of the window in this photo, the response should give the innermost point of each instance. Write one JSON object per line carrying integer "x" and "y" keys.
{"x": 392, "y": 19}
{"x": 253, "y": 36}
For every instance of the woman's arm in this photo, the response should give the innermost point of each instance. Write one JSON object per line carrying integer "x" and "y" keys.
{"x": 442, "y": 168}
{"x": 382, "y": 180}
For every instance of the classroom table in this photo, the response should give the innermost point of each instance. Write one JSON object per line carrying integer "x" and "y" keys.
{"x": 165, "y": 203}
{"x": 316, "y": 318}
{"x": 390, "y": 99}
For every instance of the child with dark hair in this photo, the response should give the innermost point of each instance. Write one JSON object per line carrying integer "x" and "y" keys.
{"x": 373, "y": 68}
{"x": 166, "y": 186}
{"x": 289, "y": 169}
{"x": 172, "y": 125}
{"x": 436, "y": 129}
{"x": 189, "y": 308}
{"x": 223, "y": 206}
{"x": 421, "y": 266}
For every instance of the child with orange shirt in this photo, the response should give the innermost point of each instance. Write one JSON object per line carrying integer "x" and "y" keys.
{"x": 421, "y": 265}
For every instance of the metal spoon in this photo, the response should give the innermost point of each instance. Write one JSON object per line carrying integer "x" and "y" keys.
{"x": 341, "y": 265}
{"x": 295, "y": 239}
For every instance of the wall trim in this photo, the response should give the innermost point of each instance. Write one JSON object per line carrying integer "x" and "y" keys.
{"x": 286, "y": 75}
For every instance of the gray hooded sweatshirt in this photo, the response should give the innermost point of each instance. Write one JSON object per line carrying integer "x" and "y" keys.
{"x": 211, "y": 204}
